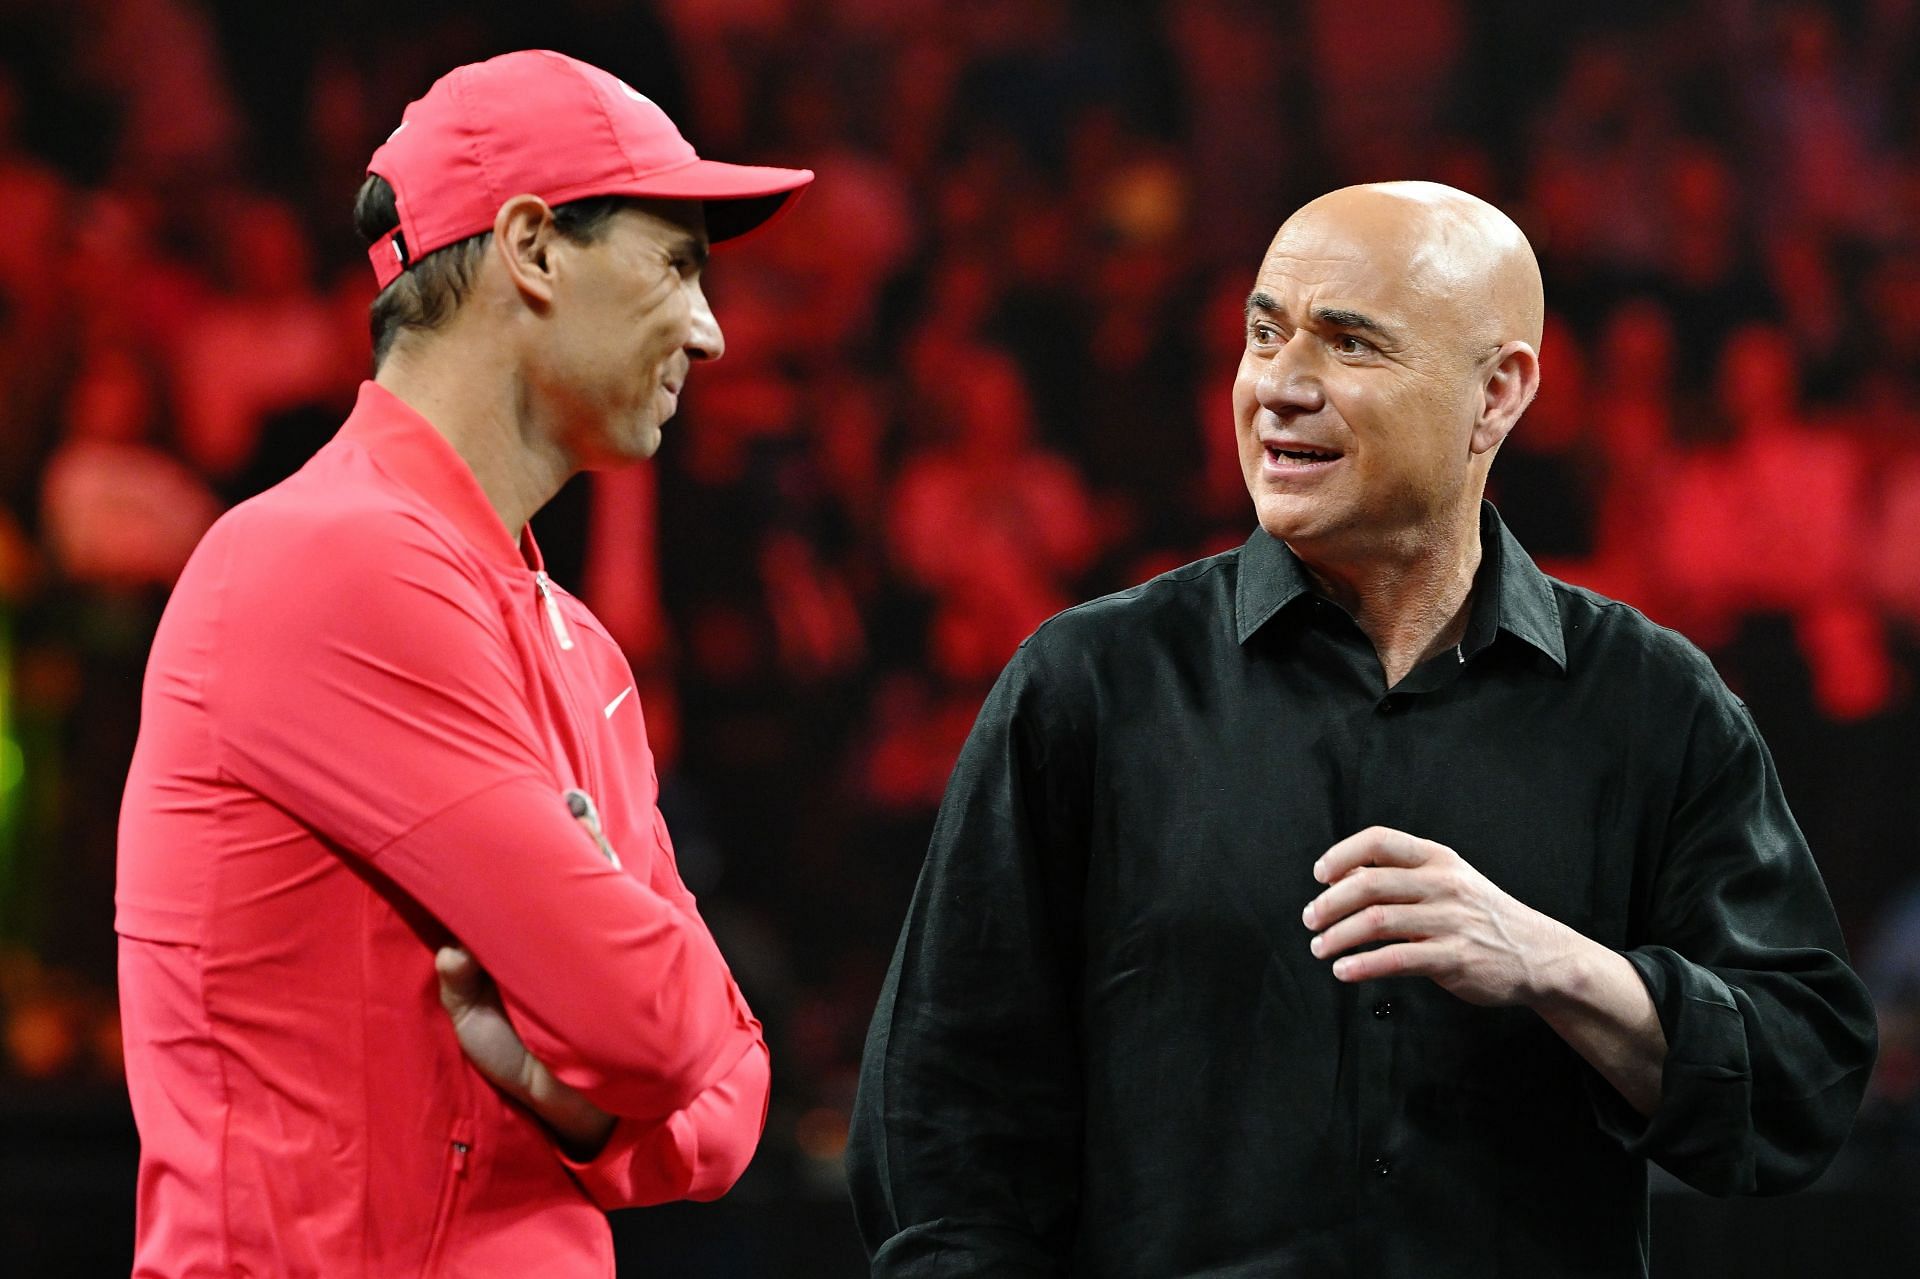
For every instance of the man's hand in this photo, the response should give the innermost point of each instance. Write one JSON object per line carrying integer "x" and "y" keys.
{"x": 1447, "y": 921}
{"x": 1444, "y": 920}
{"x": 494, "y": 1047}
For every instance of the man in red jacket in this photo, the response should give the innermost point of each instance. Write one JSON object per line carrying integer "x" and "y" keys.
{"x": 409, "y": 982}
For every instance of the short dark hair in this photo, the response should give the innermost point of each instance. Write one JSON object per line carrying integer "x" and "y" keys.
{"x": 432, "y": 288}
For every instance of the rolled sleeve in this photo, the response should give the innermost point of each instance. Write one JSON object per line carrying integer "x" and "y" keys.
{"x": 1770, "y": 1035}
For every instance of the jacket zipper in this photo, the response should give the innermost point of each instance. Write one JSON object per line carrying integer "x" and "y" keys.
{"x": 563, "y": 636}
{"x": 544, "y": 585}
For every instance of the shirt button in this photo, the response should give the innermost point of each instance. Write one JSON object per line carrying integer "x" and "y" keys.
{"x": 1383, "y": 1009}
{"x": 1391, "y": 704}
{"x": 1381, "y": 1167}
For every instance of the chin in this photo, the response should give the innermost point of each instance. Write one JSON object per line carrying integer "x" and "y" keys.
{"x": 1289, "y": 518}
{"x": 641, "y": 439}
{"x": 616, "y": 450}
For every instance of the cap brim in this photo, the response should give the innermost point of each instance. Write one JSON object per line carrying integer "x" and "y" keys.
{"x": 739, "y": 197}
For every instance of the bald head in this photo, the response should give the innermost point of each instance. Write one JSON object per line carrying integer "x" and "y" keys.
{"x": 1393, "y": 338}
{"x": 1455, "y": 249}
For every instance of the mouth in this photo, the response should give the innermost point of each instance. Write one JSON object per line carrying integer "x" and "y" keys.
{"x": 1297, "y": 457}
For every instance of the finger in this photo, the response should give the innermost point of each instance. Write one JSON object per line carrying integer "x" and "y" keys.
{"x": 459, "y": 977}
{"x": 1402, "y": 959}
{"x": 1374, "y": 846}
{"x": 455, "y": 964}
{"x": 1377, "y": 923}
{"x": 580, "y": 804}
{"x": 1363, "y": 886}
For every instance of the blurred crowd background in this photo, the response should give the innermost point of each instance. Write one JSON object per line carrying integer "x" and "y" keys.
{"x": 981, "y": 372}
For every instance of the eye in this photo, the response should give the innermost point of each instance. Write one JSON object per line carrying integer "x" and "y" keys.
{"x": 1349, "y": 344}
{"x": 1262, "y": 333}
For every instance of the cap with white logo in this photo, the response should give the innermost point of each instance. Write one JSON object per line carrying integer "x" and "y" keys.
{"x": 541, "y": 123}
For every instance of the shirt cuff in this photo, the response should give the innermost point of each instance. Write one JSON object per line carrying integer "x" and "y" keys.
{"x": 1700, "y": 1130}
{"x": 645, "y": 1162}
{"x": 695, "y": 1153}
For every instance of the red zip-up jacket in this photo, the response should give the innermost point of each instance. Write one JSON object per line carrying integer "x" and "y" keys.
{"x": 361, "y": 710}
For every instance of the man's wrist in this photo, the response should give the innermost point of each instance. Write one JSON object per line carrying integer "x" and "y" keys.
{"x": 581, "y": 1127}
{"x": 1562, "y": 978}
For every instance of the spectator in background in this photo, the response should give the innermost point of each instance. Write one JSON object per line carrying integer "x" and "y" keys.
{"x": 1773, "y": 522}
{"x": 1597, "y": 150}
{"x": 1234, "y": 53}
{"x": 120, "y": 512}
{"x": 1709, "y": 279}
{"x": 994, "y": 528}
{"x": 1819, "y": 126}
{"x": 1637, "y": 454}
{"x": 160, "y": 59}
{"x": 265, "y": 343}
{"x": 1380, "y": 88}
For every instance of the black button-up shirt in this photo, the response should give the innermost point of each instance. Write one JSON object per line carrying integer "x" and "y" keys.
{"x": 1103, "y": 1048}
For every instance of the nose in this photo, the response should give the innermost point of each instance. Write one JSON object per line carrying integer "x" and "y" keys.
{"x": 706, "y": 341}
{"x": 1288, "y": 386}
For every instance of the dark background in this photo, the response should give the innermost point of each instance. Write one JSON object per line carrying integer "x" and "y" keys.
{"x": 980, "y": 373}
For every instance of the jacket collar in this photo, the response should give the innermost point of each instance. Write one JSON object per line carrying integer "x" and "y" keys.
{"x": 1510, "y": 593}
{"x": 407, "y": 448}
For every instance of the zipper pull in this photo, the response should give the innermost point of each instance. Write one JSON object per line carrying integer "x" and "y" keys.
{"x": 544, "y": 585}
{"x": 460, "y": 1149}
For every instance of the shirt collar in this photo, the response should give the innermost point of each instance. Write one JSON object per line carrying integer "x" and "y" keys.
{"x": 1511, "y": 593}
{"x": 407, "y": 448}
{"x": 1526, "y": 606}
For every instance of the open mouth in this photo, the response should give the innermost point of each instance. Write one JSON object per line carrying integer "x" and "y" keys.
{"x": 1298, "y": 455}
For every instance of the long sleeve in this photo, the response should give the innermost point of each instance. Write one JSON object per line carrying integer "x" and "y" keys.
{"x": 697, "y": 1152}
{"x": 964, "y": 1154}
{"x": 1770, "y": 1035}
{"x": 406, "y": 740}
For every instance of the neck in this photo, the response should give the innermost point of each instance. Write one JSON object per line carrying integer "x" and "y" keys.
{"x": 479, "y": 404}
{"x": 1411, "y": 600}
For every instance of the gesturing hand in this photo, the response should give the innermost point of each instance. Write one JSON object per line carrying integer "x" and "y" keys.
{"x": 1444, "y": 920}
{"x": 494, "y": 1047}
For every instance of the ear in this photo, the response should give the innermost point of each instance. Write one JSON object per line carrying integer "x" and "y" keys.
{"x": 1511, "y": 380}
{"x": 523, "y": 235}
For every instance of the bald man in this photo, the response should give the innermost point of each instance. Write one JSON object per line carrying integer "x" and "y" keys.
{"x": 1360, "y": 901}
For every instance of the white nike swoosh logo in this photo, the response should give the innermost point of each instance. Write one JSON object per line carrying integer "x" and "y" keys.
{"x": 615, "y": 703}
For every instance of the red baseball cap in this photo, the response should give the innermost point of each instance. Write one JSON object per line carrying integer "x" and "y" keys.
{"x": 541, "y": 123}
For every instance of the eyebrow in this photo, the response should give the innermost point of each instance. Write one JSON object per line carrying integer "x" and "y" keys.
{"x": 694, "y": 247}
{"x": 1334, "y": 317}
